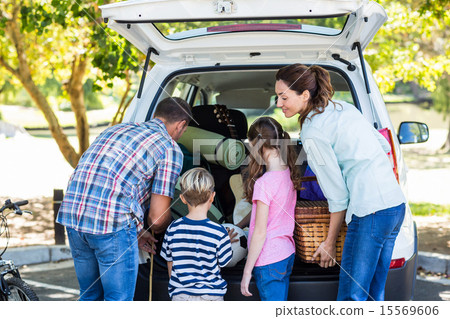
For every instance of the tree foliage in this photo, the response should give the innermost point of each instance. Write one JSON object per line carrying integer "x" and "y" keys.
{"x": 66, "y": 42}
{"x": 413, "y": 45}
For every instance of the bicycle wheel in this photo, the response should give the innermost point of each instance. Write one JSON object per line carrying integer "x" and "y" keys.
{"x": 20, "y": 291}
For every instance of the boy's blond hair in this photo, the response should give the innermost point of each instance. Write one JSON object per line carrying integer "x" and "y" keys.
{"x": 197, "y": 185}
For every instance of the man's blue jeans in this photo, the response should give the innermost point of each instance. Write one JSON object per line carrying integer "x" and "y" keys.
{"x": 367, "y": 254}
{"x": 106, "y": 265}
{"x": 272, "y": 280}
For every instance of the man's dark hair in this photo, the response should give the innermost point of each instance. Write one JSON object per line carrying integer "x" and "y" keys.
{"x": 173, "y": 109}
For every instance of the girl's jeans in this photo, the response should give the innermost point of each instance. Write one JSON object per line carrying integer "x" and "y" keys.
{"x": 367, "y": 254}
{"x": 106, "y": 265}
{"x": 272, "y": 280}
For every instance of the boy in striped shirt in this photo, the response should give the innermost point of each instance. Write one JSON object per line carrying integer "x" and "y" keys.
{"x": 194, "y": 247}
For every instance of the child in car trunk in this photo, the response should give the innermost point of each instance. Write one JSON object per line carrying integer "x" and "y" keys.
{"x": 195, "y": 247}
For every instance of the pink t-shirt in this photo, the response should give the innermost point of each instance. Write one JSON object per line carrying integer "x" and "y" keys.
{"x": 276, "y": 190}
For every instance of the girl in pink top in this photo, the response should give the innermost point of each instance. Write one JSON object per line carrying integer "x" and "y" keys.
{"x": 271, "y": 182}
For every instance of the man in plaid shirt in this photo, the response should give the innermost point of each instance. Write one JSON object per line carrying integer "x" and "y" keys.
{"x": 129, "y": 169}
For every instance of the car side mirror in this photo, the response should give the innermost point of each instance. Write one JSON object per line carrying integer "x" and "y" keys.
{"x": 413, "y": 132}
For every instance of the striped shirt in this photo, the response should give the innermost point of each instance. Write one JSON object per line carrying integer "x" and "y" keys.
{"x": 197, "y": 249}
{"x": 116, "y": 176}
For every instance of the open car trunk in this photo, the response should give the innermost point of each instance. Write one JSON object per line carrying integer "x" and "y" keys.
{"x": 227, "y": 54}
{"x": 229, "y": 30}
{"x": 247, "y": 94}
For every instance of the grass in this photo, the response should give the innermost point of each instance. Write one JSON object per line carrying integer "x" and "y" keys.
{"x": 398, "y": 98}
{"x": 429, "y": 209}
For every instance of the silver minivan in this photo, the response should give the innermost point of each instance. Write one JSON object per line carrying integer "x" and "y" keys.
{"x": 226, "y": 53}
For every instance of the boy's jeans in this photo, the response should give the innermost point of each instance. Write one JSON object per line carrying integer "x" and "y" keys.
{"x": 106, "y": 265}
{"x": 367, "y": 254}
{"x": 186, "y": 297}
{"x": 272, "y": 280}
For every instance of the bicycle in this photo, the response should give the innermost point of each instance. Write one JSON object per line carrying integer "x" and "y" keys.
{"x": 12, "y": 287}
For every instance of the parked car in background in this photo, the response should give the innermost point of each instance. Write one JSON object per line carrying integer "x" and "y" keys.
{"x": 227, "y": 52}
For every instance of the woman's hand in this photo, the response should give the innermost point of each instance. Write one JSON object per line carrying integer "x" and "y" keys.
{"x": 327, "y": 249}
{"x": 245, "y": 282}
{"x": 326, "y": 253}
{"x": 146, "y": 241}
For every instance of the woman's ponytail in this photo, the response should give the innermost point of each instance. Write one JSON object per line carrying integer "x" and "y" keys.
{"x": 324, "y": 90}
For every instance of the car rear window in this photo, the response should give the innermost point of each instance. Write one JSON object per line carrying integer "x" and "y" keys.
{"x": 329, "y": 26}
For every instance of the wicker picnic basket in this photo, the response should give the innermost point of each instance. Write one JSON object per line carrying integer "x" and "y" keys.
{"x": 311, "y": 228}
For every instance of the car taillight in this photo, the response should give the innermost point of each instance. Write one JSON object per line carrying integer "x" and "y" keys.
{"x": 254, "y": 27}
{"x": 387, "y": 133}
{"x": 397, "y": 263}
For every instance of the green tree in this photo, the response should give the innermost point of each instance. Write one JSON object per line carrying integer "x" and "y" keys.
{"x": 413, "y": 46}
{"x": 62, "y": 40}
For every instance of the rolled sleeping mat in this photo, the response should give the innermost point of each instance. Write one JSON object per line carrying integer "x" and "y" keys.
{"x": 216, "y": 148}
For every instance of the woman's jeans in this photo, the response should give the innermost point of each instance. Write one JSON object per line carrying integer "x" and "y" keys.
{"x": 367, "y": 254}
{"x": 272, "y": 280}
{"x": 106, "y": 265}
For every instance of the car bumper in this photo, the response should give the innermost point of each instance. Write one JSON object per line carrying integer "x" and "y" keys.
{"x": 315, "y": 285}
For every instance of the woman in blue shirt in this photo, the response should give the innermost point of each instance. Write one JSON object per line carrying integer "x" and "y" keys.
{"x": 349, "y": 159}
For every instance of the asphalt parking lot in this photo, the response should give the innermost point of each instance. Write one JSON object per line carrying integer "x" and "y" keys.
{"x": 57, "y": 281}
{"x": 52, "y": 281}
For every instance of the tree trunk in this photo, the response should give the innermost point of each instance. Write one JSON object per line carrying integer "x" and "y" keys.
{"x": 127, "y": 104}
{"x": 55, "y": 128}
{"x": 124, "y": 103}
{"x": 446, "y": 147}
{"x": 24, "y": 75}
{"x": 76, "y": 94}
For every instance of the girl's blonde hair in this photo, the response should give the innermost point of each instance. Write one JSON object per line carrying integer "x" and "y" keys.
{"x": 267, "y": 133}
{"x": 197, "y": 185}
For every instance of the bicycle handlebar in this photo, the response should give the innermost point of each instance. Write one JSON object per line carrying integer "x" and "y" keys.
{"x": 21, "y": 203}
{"x": 15, "y": 206}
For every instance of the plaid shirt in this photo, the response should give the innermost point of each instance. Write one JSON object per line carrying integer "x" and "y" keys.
{"x": 115, "y": 177}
